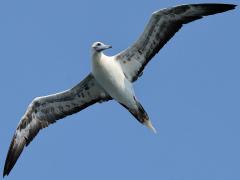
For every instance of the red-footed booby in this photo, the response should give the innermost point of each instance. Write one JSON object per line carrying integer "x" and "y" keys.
{"x": 111, "y": 77}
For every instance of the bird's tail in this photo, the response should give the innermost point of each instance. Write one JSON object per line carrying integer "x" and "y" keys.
{"x": 141, "y": 115}
{"x": 143, "y": 118}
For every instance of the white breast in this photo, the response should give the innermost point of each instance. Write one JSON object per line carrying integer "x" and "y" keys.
{"x": 108, "y": 73}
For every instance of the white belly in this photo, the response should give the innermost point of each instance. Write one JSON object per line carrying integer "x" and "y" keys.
{"x": 109, "y": 75}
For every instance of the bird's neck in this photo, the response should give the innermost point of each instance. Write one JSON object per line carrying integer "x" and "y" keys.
{"x": 97, "y": 55}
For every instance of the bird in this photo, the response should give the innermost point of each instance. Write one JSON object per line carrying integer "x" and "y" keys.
{"x": 111, "y": 77}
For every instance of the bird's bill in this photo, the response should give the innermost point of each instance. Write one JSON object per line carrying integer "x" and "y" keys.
{"x": 106, "y": 47}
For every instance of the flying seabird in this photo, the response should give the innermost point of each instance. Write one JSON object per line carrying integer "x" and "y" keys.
{"x": 111, "y": 77}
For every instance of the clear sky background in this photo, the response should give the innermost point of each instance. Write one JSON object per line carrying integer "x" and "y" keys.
{"x": 190, "y": 91}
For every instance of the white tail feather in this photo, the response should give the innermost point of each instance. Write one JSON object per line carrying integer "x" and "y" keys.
{"x": 148, "y": 123}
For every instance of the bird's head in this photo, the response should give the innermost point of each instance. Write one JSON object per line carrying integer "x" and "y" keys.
{"x": 99, "y": 47}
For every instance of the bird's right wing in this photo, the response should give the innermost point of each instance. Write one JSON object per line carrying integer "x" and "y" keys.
{"x": 46, "y": 110}
{"x": 161, "y": 27}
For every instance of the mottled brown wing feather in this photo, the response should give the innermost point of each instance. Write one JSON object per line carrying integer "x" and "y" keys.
{"x": 160, "y": 29}
{"x": 46, "y": 110}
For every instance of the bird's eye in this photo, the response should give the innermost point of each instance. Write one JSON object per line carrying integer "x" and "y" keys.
{"x": 98, "y": 44}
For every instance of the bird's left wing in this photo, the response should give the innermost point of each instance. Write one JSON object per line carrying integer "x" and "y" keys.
{"x": 46, "y": 110}
{"x": 161, "y": 27}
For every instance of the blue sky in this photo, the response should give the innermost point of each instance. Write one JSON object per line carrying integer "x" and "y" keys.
{"x": 190, "y": 91}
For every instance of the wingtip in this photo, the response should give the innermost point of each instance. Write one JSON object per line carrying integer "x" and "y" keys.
{"x": 5, "y": 170}
{"x": 5, "y": 173}
{"x": 214, "y": 8}
{"x": 234, "y": 5}
{"x": 231, "y": 6}
{"x": 227, "y": 7}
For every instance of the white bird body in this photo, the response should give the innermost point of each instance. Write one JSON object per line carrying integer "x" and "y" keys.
{"x": 109, "y": 74}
